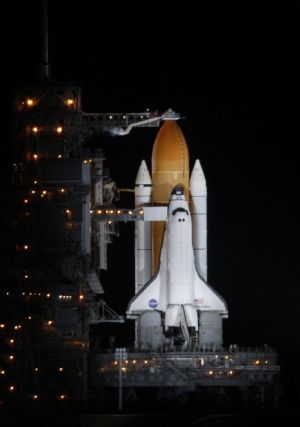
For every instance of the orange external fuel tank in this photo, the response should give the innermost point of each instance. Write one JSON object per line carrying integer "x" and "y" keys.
{"x": 170, "y": 166}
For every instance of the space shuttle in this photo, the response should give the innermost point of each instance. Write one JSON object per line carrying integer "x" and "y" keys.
{"x": 173, "y": 302}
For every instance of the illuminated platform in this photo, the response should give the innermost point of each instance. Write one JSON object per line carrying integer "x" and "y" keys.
{"x": 252, "y": 371}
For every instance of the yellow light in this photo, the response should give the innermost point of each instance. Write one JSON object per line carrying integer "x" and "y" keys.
{"x": 32, "y": 191}
{"x": 210, "y": 372}
{"x": 115, "y": 362}
{"x": 60, "y": 369}
{"x": 29, "y": 317}
{"x": 35, "y": 396}
{"x": 130, "y": 212}
{"x": 62, "y": 190}
{"x": 48, "y": 295}
{"x": 109, "y": 222}
{"x": 124, "y": 369}
{"x": 2, "y": 325}
{"x": 70, "y": 102}
{"x": 134, "y": 362}
{"x": 62, "y": 397}
{"x": 35, "y": 181}
{"x": 44, "y": 192}
{"x": 26, "y": 276}
{"x": 26, "y": 247}
{"x": 59, "y": 156}
{"x": 257, "y": 362}
{"x": 50, "y": 322}
{"x": 230, "y": 372}
{"x": 141, "y": 212}
{"x": 126, "y": 361}
{"x": 59, "y": 129}
{"x": 25, "y": 201}
{"x": 11, "y": 388}
{"x": 35, "y": 129}
{"x": 146, "y": 362}
{"x": 67, "y": 211}
{"x": 11, "y": 341}
{"x": 81, "y": 297}
{"x": 11, "y": 357}
{"x": 29, "y": 102}
{"x": 35, "y": 156}
{"x": 36, "y": 369}
{"x": 2, "y": 372}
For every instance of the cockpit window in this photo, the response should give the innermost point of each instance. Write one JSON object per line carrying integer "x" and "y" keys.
{"x": 180, "y": 210}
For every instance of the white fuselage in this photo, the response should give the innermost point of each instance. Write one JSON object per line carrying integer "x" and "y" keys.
{"x": 180, "y": 256}
{"x": 177, "y": 289}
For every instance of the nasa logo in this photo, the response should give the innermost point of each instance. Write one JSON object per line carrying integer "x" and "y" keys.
{"x": 152, "y": 303}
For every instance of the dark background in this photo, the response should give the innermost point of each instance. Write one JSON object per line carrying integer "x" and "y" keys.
{"x": 229, "y": 72}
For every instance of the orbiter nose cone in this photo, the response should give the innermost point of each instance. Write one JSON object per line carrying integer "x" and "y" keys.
{"x": 143, "y": 176}
{"x": 177, "y": 190}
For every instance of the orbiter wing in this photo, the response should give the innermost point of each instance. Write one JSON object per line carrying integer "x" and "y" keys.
{"x": 153, "y": 293}
{"x": 206, "y": 298}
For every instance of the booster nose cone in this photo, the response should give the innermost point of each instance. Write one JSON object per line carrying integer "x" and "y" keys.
{"x": 143, "y": 186}
{"x": 143, "y": 176}
{"x": 197, "y": 181}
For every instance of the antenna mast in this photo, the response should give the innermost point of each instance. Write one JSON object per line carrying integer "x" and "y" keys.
{"x": 45, "y": 66}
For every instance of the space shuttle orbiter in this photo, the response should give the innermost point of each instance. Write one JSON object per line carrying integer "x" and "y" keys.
{"x": 172, "y": 295}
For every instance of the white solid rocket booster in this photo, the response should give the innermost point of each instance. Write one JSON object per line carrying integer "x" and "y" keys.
{"x": 199, "y": 218}
{"x": 143, "y": 238}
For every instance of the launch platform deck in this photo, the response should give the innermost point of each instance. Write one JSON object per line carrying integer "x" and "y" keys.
{"x": 244, "y": 369}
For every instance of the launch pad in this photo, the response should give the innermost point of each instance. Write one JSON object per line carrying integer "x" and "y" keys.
{"x": 178, "y": 316}
{"x": 252, "y": 375}
{"x": 65, "y": 216}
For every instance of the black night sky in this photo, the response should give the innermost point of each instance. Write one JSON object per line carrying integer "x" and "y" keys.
{"x": 225, "y": 76}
